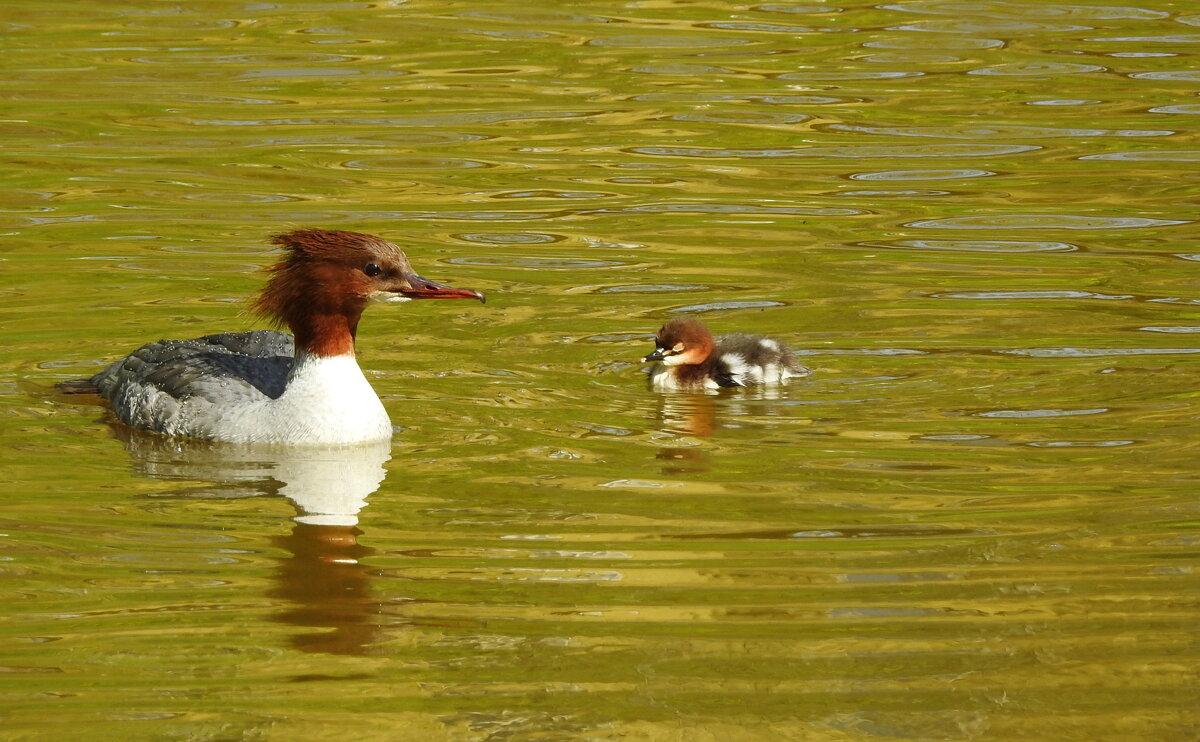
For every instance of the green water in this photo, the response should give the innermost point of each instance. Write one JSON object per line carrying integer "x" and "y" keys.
{"x": 976, "y": 521}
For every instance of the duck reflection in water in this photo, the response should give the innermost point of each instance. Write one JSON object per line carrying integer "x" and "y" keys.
{"x": 685, "y": 414}
{"x": 322, "y": 583}
{"x": 329, "y": 588}
{"x": 703, "y": 414}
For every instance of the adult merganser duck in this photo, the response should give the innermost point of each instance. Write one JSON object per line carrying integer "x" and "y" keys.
{"x": 692, "y": 360}
{"x": 264, "y": 386}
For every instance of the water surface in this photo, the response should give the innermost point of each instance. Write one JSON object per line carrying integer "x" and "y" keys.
{"x": 976, "y": 521}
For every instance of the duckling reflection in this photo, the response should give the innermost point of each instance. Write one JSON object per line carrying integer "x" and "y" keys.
{"x": 322, "y": 581}
{"x": 702, "y": 414}
{"x": 695, "y": 413}
{"x": 685, "y": 414}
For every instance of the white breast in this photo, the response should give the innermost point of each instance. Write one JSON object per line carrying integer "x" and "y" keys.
{"x": 663, "y": 378}
{"x": 328, "y": 401}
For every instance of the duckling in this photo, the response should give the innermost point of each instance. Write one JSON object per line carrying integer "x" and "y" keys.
{"x": 690, "y": 359}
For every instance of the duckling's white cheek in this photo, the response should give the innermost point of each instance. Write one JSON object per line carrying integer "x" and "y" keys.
{"x": 387, "y": 297}
{"x": 675, "y": 360}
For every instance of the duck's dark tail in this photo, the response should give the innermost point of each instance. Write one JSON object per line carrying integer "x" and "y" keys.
{"x": 76, "y": 386}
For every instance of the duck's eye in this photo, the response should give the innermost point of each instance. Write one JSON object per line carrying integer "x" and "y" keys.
{"x": 372, "y": 270}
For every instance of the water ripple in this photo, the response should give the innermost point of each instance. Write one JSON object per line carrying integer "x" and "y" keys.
{"x": 977, "y": 27}
{"x": 682, "y": 68}
{"x": 638, "y": 288}
{"x": 493, "y": 238}
{"x": 785, "y": 99}
{"x": 904, "y": 175}
{"x": 893, "y": 193}
{"x": 179, "y": 57}
{"x": 499, "y": 216}
{"x": 1185, "y": 108}
{"x": 1171, "y": 76}
{"x": 666, "y": 42}
{"x": 763, "y": 27}
{"x": 551, "y": 194}
{"x": 413, "y": 163}
{"x": 848, "y": 151}
{"x": 532, "y": 16}
{"x": 730, "y": 208}
{"x": 535, "y": 263}
{"x": 1038, "y": 68}
{"x": 239, "y": 198}
{"x": 1181, "y": 330}
{"x": 415, "y": 120}
{"x": 1080, "y": 444}
{"x": 861, "y": 352}
{"x": 1042, "y": 413}
{"x": 992, "y": 132}
{"x": 722, "y": 306}
{"x": 802, "y": 9}
{"x": 1065, "y": 102}
{"x": 894, "y": 58}
{"x": 1001, "y": 9}
{"x": 981, "y": 246}
{"x": 1043, "y": 221}
{"x": 742, "y": 117}
{"x": 1164, "y": 39}
{"x": 836, "y": 75}
{"x": 921, "y": 43}
{"x": 1065, "y": 294}
{"x": 1150, "y": 156}
{"x": 1098, "y": 352}
{"x": 509, "y": 34}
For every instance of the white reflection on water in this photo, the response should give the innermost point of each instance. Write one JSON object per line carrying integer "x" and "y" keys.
{"x": 327, "y": 485}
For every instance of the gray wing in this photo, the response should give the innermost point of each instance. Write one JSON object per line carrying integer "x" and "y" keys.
{"x": 229, "y": 367}
{"x": 758, "y": 350}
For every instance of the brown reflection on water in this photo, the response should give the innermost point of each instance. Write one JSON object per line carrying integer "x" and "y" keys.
{"x": 328, "y": 588}
{"x": 704, "y": 415}
{"x": 687, "y": 413}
